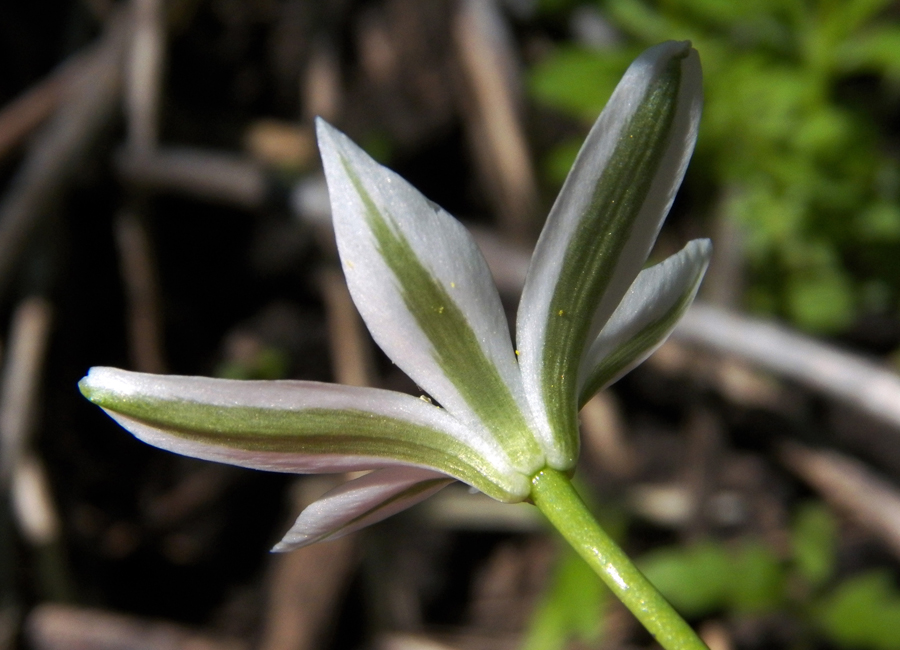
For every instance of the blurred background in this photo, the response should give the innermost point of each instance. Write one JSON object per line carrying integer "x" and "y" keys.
{"x": 162, "y": 209}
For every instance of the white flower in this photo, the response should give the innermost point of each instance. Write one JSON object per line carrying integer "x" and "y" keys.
{"x": 588, "y": 315}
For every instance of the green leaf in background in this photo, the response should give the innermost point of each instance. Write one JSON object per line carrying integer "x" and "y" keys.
{"x": 880, "y": 222}
{"x": 757, "y": 580}
{"x": 813, "y": 541}
{"x": 558, "y": 162}
{"x": 265, "y": 363}
{"x": 578, "y": 81}
{"x": 789, "y": 132}
{"x": 873, "y": 51}
{"x": 694, "y": 579}
{"x": 822, "y": 302}
{"x": 863, "y": 612}
{"x": 571, "y": 610}
{"x": 709, "y": 577}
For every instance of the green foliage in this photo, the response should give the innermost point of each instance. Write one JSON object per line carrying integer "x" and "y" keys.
{"x": 709, "y": 577}
{"x": 571, "y": 609}
{"x": 264, "y": 363}
{"x": 746, "y": 578}
{"x": 813, "y": 542}
{"x": 863, "y": 612}
{"x": 793, "y": 154}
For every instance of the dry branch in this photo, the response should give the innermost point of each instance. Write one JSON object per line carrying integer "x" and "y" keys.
{"x": 778, "y": 349}
{"x": 220, "y": 177}
{"x": 28, "y": 111}
{"x": 305, "y": 586}
{"x": 54, "y": 156}
{"x": 145, "y": 70}
{"x": 21, "y": 381}
{"x": 493, "y": 113}
{"x": 138, "y": 271}
{"x": 59, "y": 627}
{"x": 851, "y": 487}
{"x": 351, "y": 347}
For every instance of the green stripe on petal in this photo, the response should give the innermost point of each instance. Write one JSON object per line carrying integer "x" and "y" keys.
{"x": 298, "y": 426}
{"x": 427, "y": 296}
{"x": 455, "y": 347}
{"x": 601, "y": 229}
{"x": 643, "y": 321}
{"x": 361, "y": 502}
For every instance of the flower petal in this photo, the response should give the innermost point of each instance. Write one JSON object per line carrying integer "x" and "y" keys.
{"x": 601, "y": 229}
{"x": 427, "y": 296}
{"x": 360, "y": 503}
{"x": 300, "y": 426}
{"x": 644, "y": 319}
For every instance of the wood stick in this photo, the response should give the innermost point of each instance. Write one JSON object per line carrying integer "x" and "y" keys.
{"x": 851, "y": 487}
{"x": 144, "y": 80}
{"x": 138, "y": 270}
{"x": 351, "y": 347}
{"x": 493, "y": 114}
{"x": 60, "y": 627}
{"x": 54, "y": 156}
{"x": 776, "y": 348}
{"x": 28, "y": 111}
{"x": 21, "y": 381}
{"x": 305, "y": 585}
{"x": 216, "y": 176}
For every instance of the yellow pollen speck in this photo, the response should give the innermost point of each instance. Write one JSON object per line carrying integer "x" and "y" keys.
{"x": 440, "y": 310}
{"x": 349, "y": 265}
{"x": 517, "y": 353}
{"x": 560, "y": 312}
{"x": 452, "y": 285}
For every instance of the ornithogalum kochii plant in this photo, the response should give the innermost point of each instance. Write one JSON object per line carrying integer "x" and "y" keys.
{"x": 507, "y": 420}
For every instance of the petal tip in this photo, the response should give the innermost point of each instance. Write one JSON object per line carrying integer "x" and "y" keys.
{"x": 84, "y": 386}
{"x": 702, "y": 247}
{"x": 285, "y": 546}
{"x": 97, "y": 383}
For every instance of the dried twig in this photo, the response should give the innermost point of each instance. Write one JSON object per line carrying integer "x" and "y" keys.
{"x": 776, "y": 348}
{"x": 29, "y": 110}
{"x": 219, "y": 177}
{"x": 144, "y": 81}
{"x": 321, "y": 83}
{"x": 305, "y": 586}
{"x": 851, "y": 487}
{"x": 409, "y": 642}
{"x": 20, "y": 468}
{"x": 21, "y": 381}
{"x": 53, "y": 157}
{"x": 142, "y": 290}
{"x": 603, "y": 433}
{"x": 493, "y": 116}
{"x": 59, "y": 627}
{"x": 351, "y": 349}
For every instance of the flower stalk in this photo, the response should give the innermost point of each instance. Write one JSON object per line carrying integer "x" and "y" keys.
{"x": 555, "y": 496}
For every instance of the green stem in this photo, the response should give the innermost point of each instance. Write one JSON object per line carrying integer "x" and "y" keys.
{"x": 553, "y": 494}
